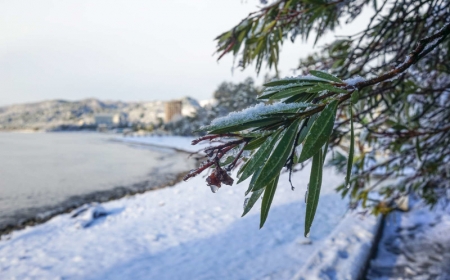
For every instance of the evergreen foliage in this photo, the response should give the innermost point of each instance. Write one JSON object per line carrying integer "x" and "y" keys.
{"x": 379, "y": 100}
{"x": 228, "y": 97}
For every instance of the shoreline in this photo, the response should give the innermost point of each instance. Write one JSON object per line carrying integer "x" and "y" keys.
{"x": 95, "y": 197}
{"x": 45, "y": 214}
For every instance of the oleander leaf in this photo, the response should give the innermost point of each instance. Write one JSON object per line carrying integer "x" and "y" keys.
{"x": 256, "y": 143}
{"x": 270, "y": 91}
{"x": 251, "y": 201}
{"x": 269, "y": 193}
{"x": 299, "y": 79}
{"x": 320, "y": 131}
{"x": 239, "y": 125}
{"x": 252, "y": 181}
{"x": 418, "y": 149}
{"x": 325, "y": 76}
{"x": 289, "y": 92}
{"x": 277, "y": 159}
{"x": 332, "y": 88}
{"x": 243, "y": 167}
{"x": 307, "y": 97}
{"x": 315, "y": 183}
{"x": 260, "y": 156}
{"x": 306, "y": 129}
{"x": 351, "y": 149}
{"x": 355, "y": 97}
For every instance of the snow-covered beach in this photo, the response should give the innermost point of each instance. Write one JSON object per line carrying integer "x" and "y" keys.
{"x": 45, "y": 174}
{"x": 183, "y": 231}
{"x": 187, "y": 232}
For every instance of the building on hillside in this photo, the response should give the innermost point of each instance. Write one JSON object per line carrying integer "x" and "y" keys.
{"x": 109, "y": 120}
{"x": 172, "y": 109}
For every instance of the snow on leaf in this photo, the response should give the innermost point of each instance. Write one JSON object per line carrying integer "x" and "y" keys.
{"x": 253, "y": 113}
{"x": 354, "y": 80}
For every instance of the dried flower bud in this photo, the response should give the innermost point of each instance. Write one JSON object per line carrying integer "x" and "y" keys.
{"x": 224, "y": 177}
{"x": 212, "y": 180}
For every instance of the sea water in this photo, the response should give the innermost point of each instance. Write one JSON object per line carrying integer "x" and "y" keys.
{"x": 46, "y": 173}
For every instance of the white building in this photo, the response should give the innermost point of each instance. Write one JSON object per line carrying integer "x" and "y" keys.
{"x": 109, "y": 120}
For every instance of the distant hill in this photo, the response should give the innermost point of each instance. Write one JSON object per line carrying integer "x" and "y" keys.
{"x": 55, "y": 114}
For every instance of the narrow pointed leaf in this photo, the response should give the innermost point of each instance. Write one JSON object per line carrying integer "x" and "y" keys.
{"x": 267, "y": 94}
{"x": 255, "y": 143}
{"x": 320, "y": 131}
{"x": 325, "y": 76}
{"x": 267, "y": 200}
{"x": 324, "y": 153}
{"x": 240, "y": 125}
{"x": 355, "y": 97}
{"x": 315, "y": 183}
{"x": 332, "y": 88}
{"x": 351, "y": 150}
{"x": 243, "y": 167}
{"x": 307, "y": 97}
{"x": 259, "y": 157}
{"x": 299, "y": 79}
{"x": 315, "y": 89}
{"x": 289, "y": 92}
{"x": 306, "y": 129}
{"x": 227, "y": 161}
{"x": 270, "y": 91}
{"x": 251, "y": 202}
{"x": 418, "y": 149}
{"x": 253, "y": 181}
{"x": 277, "y": 159}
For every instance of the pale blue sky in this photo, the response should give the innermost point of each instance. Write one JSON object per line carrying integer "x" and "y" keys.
{"x": 119, "y": 50}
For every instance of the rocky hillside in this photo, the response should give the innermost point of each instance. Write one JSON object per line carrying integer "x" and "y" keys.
{"x": 55, "y": 114}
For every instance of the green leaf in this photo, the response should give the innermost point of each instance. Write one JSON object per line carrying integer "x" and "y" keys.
{"x": 320, "y": 131}
{"x": 289, "y": 92}
{"x": 324, "y": 153}
{"x": 256, "y": 134}
{"x": 315, "y": 183}
{"x": 253, "y": 181}
{"x": 227, "y": 161}
{"x": 243, "y": 167}
{"x": 418, "y": 149}
{"x": 294, "y": 108}
{"x": 325, "y": 76}
{"x": 332, "y": 88}
{"x": 259, "y": 157}
{"x": 240, "y": 125}
{"x": 255, "y": 143}
{"x": 299, "y": 79}
{"x": 270, "y": 91}
{"x": 355, "y": 97}
{"x": 351, "y": 151}
{"x": 301, "y": 98}
{"x": 267, "y": 94}
{"x": 251, "y": 201}
{"x": 267, "y": 200}
{"x": 315, "y": 89}
{"x": 306, "y": 129}
{"x": 277, "y": 159}
{"x": 269, "y": 26}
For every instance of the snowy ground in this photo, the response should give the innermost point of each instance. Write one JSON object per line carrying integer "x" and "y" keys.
{"x": 345, "y": 252}
{"x": 414, "y": 245}
{"x": 181, "y": 232}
